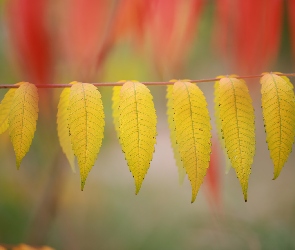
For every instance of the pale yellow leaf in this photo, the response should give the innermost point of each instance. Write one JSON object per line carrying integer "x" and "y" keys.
{"x": 218, "y": 123}
{"x": 63, "y": 126}
{"x": 237, "y": 124}
{"x": 86, "y": 124}
{"x": 137, "y": 125}
{"x": 179, "y": 164}
{"x": 5, "y": 106}
{"x": 22, "y": 119}
{"x": 193, "y": 131}
{"x": 278, "y": 106}
{"x": 115, "y": 106}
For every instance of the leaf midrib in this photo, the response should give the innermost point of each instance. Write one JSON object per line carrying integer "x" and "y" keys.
{"x": 280, "y": 115}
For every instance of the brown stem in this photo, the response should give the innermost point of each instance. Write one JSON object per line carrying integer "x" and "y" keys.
{"x": 101, "y": 84}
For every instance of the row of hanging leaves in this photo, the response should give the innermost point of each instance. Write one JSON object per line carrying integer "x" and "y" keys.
{"x": 80, "y": 125}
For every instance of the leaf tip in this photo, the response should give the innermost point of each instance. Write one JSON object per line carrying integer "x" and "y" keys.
{"x": 82, "y": 185}
{"x": 194, "y": 196}
{"x": 245, "y": 196}
{"x": 277, "y": 171}
{"x": 18, "y": 162}
{"x": 137, "y": 187}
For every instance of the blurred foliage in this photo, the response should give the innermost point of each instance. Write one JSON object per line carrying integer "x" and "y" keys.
{"x": 41, "y": 204}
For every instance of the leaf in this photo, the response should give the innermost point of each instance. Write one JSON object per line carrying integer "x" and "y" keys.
{"x": 138, "y": 120}
{"x": 27, "y": 247}
{"x": 218, "y": 123}
{"x": 115, "y": 106}
{"x": 193, "y": 131}
{"x": 22, "y": 119}
{"x": 170, "y": 112}
{"x": 278, "y": 107}
{"x": 63, "y": 126}
{"x": 5, "y": 106}
{"x": 238, "y": 129}
{"x": 86, "y": 124}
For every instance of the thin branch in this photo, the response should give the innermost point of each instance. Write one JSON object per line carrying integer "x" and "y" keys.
{"x": 105, "y": 84}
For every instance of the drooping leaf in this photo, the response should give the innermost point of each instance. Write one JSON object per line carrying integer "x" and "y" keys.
{"x": 86, "y": 124}
{"x": 179, "y": 164}
{"x": 217, "y": 111}
{"x": 22, "y": 119}
{"x": 5, "y": 106}
{"x": 193, "y": 131}
{"x": 115, "y": 106}
{"x": 138, "y": 122}
{"x": 278, "y": 106}
{"x": 238, "y": 129}
{"x": 218, "y": 124}
{"x": 63, "y": 126}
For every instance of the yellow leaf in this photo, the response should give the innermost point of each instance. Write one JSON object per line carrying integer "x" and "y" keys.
{"x": 278, "y": 106}
{"x": 22, "y": 119}
{"x": 5, "y": 106}
{"x": 115, "y": 106}
{"x": 27, "y": 247}
{"x": 238, "y": 129}
{"x": 86, "y": 124}
{"x": 137, "y": 121}
{"x": 179, "y": 164}
{"x": 193, "y": 131}
{"x": 218, "y": 123}
{"x": 63, "y": 126}
{"x": 23, "y": 247}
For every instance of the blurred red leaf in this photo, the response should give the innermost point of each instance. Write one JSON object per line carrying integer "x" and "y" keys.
{"x": 291, "y": 16}
{"x": 212, "y": 179}
{"x": 171, "y": 28}
{"x": 247, "y": 33}
{"x": 130, "y": 19}
{"x": 31, "y": 39}
{"x": 32, "y": 44}
{"x": 83, "y": 32}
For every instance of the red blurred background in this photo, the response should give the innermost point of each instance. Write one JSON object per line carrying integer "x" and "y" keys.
{"x": 154, "y": 40}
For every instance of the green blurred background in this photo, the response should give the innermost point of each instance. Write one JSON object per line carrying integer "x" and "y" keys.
{"x": 41, "y": 204}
